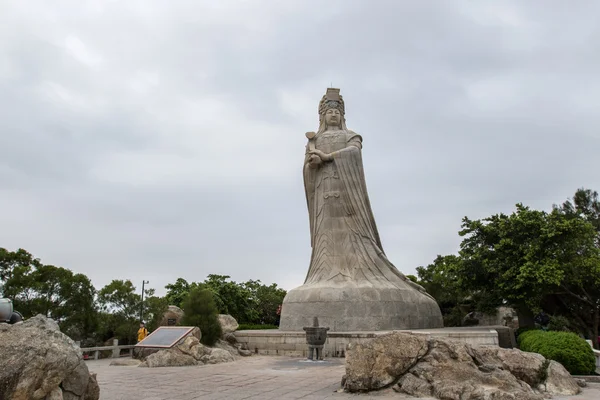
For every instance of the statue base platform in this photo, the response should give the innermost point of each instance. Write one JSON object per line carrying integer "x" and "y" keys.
{"x": 274, "y": 342}
{"x": 352, "y": 307}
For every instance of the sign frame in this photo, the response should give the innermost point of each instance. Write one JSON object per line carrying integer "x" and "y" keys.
{"x": 184, "y": 334}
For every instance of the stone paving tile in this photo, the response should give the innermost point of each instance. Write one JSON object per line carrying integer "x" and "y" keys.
{"x": 256, "y": 377}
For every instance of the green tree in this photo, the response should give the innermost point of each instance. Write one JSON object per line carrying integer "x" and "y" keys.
{"x": 178, "y": 291}
{"x": 440, "y": 280}
{"x": 528, "y": 257}
{"x": 121, "y": 306}
{"x": 585, "y": 204}
{"x": 231, "y": 298}
{"x": 154, "y": 309}
{"x": 79, "y": 318}
{"x": 54, "y": 292}
{"x": 14, "y": 262}
{"x": 264, "y": 300}
{"x": 201, "y": 310}
{"x": 580, "y": 299}
{"x": 250, "y": 302}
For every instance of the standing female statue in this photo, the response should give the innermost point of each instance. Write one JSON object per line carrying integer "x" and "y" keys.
{"x": 350, "y": 285}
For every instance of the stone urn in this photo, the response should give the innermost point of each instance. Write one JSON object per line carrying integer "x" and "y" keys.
{"x": 315, "y": 339}
{"x": 6, "y": 310}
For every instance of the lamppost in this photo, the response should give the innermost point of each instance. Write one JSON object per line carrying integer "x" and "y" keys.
{"x": 142, "y": 306}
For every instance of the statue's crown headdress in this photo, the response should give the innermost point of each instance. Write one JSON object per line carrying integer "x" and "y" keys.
{"x": 331, "y": 99}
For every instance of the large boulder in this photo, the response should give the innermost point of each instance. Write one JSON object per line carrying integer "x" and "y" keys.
{"x": 378, "y": 363}
{"x": 448, "y": 369}
{"x": 228, "y": 323}
{"x": 168, "y": 358}
{"x": 172, "y": 316}
{"x": 217, "y": 356}
{"x": 231, "y": 344}
{"x": 559, "y": 381}
{"x": 38, "y": 361}
{"x": 189, "y": 351}
{"x": 142, "y": 353}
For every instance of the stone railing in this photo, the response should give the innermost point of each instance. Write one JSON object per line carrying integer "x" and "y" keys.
{"x": 115, "y": 348}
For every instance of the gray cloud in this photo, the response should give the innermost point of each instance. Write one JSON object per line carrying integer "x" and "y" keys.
{"x": 156, "y": 140}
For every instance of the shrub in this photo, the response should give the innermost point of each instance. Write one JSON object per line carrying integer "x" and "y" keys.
{"x": 520, "y": 331}
{"x": 201, "y": 310}
{"x": 559, "y": 323}
{"x": 249, "y": 327}
{"x": 574, "y": 353}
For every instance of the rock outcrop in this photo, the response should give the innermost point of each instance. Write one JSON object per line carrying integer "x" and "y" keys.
{"x": 452, "y": 370}
{"x": 228, "y": 323}
{"x": 142, "y": 353}
{"x": 174, "y": 314}
{"x": 228, "y": 340}
{"x": 40, "y": 362}
{"x": 188, "y": 352}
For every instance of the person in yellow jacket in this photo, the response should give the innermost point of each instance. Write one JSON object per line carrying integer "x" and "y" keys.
{"x": 142, "y": 332}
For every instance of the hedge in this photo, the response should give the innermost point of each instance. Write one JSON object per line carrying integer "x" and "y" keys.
{"x": 249, "y": 327}
{"x": 573, "y": 352}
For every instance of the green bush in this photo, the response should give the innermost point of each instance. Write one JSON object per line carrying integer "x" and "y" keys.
{"x": 574, "y": 353}
{"x": 559, "y": 323}
{"x": 201, "y": 310}
{"x": 250, "y": 327}
{"x": 520, "y": 331}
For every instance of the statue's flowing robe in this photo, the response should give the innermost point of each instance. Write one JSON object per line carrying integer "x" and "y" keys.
{"x": 345, "y": 242}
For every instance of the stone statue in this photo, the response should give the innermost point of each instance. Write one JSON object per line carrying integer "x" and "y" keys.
{"x": 350, "y": 285}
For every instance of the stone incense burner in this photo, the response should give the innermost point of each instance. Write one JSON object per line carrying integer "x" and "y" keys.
{"x": 315, "y": 338}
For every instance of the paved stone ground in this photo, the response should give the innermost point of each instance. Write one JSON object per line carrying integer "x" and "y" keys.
{"x": 256, "y": 377}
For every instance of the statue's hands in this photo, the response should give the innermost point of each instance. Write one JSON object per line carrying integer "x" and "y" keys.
{"x": 324, "y": 157}
{"x": 314, "y": 161}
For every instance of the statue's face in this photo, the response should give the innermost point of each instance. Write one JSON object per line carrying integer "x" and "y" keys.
{"x": 333, "y": 117}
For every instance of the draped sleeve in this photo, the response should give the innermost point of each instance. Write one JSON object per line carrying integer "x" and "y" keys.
{"x": 309, "y": 175}
{"x": 350, "y": 169}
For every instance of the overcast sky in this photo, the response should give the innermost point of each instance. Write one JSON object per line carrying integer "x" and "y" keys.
{"x": 164, "y": 139}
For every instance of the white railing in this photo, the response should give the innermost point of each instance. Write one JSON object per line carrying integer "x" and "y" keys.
{"x": 597, "y": 354}
{"x": 115, "y": 348}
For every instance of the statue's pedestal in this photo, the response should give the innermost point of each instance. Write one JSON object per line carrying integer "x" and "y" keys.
{"x": 274, "y": 342}
{"x": 355, "y": 308}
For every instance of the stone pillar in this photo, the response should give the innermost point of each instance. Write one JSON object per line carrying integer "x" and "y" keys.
{"x": 116, "y": 352}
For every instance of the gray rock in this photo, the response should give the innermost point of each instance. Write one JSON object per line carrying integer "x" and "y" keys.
{"x": 223, "y": 345}
{"x": 142, "y": 353}
{"x": 560, "y": 382}
{"x": 230, "y": 338}
{"x": 581, "y": 382}
{"x": 187, "y": 344}
{"x": 235, "y": 347}
{"x": 378, "y": 363}
{"x": 93, "y": 389}
{"x": 173, "y": 313}
{"x": 190, "y": 351}
{"x": 75, "y": 384}
{"x": 218, "y": 356}
{"x": 192, "y": 346}
{"x": 244, "y": 352}
{"x": 448, "y": 369}
{"x": 36, "y": 358}
{"x": 55, "y": 394}
{"x": 125, "y": 362}
{"x": 169, "y": 358}
{"x": 228, "y": 323}
{"x": 524, "y": 366}
{"x": 413, "y": 386}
